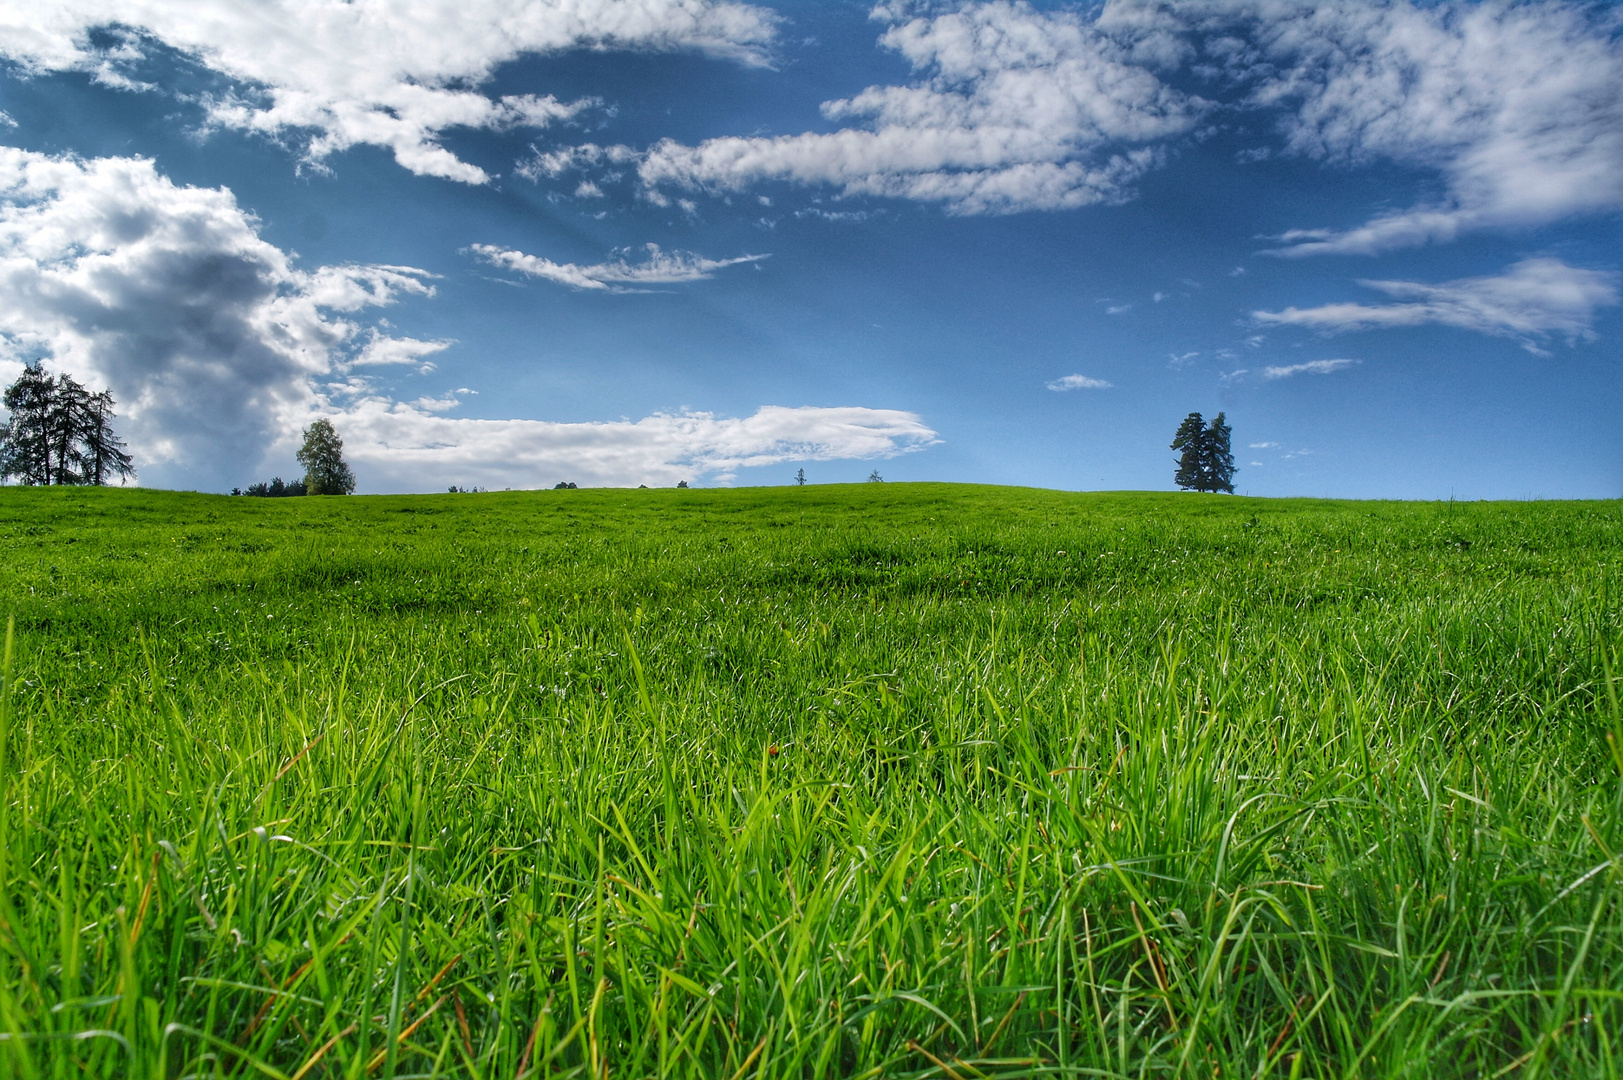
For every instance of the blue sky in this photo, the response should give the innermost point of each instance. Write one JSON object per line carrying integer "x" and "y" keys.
{"x": 507, "y": 243}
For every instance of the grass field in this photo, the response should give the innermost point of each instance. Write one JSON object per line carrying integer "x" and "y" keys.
{"x": 874, "y": 780}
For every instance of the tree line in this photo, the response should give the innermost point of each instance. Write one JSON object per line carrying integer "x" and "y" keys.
{"x": 60, "y": 433}
{"x": 325, "y": 470}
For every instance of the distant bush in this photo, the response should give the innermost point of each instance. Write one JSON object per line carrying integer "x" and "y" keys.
{"x": 563, "y": 485}
{"x": 276, "y": 489}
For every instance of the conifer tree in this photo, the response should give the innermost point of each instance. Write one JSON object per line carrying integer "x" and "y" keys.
{"x": 1217, "y": 461}
{"x": 26, "y": 450}
{"x": 104, "y": 453}
{"x": 1205, "y": 461}
{"x": 59, "y": 432}
{"x": 1189, "y": 440}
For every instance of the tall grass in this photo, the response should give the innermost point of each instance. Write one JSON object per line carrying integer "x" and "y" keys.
{"x": 909, "y": 780}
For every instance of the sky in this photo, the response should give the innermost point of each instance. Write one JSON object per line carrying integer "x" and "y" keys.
{"x": 511, "y": 243}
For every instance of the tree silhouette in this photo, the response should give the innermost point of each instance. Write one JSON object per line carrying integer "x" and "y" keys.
{"x": 322, "y": 455}
{"x": 1205, "y": 461}
{"x": 104, "y": 452}
{"x": 1189, "y": 439}
{"x": 59, "y": 432}
{"x": 1217, "y": 461}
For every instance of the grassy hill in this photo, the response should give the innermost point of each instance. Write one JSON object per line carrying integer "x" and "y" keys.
{"x": 883, "y": 780}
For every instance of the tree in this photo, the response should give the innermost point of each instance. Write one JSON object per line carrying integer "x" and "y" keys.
{"x": 27, "y": 451}
{"x": 60, "y": 433}
{"x": 875, "y": 478}
{"x": 800, "y": 477}
{"x": 1217, "y": 461}
{"x": 104, "y": 452}
{"x": 322, "y": 455}
{"x": 1191, "y": 434}
{"x": 1205, "y": 461}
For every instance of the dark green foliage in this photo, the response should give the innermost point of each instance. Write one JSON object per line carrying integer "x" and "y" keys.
{"x": 59, "y": 433}
{"x": 322, "y": 455}
{"x": 1189, "y": 440}
{"x": 1205, "y": 461}
{"x": 276, "y": 489}
{"x": 563, "y": 485}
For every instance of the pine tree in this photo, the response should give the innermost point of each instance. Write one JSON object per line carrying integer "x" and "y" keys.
{"x": 1190, "y": 440}
{"x": 25, "y": 446}
{"x": 322, "y": 455}
{"x": 1206, "y": 462}
{"x": 66, "y": 419}
{"x": 59, "y": 432}
{"x": 104, "y": 452}
{"x": 1217, "y": 461}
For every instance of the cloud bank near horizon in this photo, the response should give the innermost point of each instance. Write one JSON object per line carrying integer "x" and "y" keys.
{"x": 219, "y": 349}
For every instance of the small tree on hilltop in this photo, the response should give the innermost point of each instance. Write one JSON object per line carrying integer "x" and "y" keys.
{"x": 1191, "y": 435}
{"x": 1217, "y": 461}
{"x": 1205, "y": 461}
{"x": 27, "y": 451}
{"x": 322, "y": 455}
{"x": 104, "y": 452}
{"x": 59, "y": 432}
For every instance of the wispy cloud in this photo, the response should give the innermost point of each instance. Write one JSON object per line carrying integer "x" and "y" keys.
{"x": 1532, "y": 300}
{"x": 1312, "y": 367}
{"x": 619, "y": 274}
{"x": 389, "y": 75}
{"x": 1519, "y": 107}
{"x": 1079, "y": 382}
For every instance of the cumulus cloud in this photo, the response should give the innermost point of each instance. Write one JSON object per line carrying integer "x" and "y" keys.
{"x": 1312, "y": 367}
{"x": 211, "y": 339}
{"x": 1519, "y": 107}
{"x": 381, "y": 74}
{"x": 1079, "y": 382}
{"x": 619, "y": 274}
{"x": 1532, "y": 300}
{"x": 400, "y": 447}
{"x": 1012, "y": 109}
{"x": 219, "y": 349}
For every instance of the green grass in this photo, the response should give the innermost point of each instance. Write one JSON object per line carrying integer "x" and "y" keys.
{"x": 900, "y": 780}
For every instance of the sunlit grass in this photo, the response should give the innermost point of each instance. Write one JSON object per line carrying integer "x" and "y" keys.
{"x": 883, "y": 780}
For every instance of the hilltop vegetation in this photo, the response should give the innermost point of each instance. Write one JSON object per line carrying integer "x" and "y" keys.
{"x": 826, "y": 781}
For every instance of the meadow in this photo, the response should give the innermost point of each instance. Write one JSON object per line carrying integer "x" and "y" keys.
{"x": 872, "y": 780}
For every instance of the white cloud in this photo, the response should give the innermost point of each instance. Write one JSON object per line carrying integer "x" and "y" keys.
{"x": 1079, "y": 382}
{"x": 394, "y": 75}
{"x": 1532, "y": 300}
{"x": 1013, "y": 109}
{"x": 618, "y": 275}
{"x": 1263, "y": 446}
{"x": 219, "y": 350}
{"x": 1518, "y": 106}
{"x": 1312, "y": 367}
{"x": 211, "y": 339}
{"x": 381, "y": 349}
{"x": 397, "y": 447}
